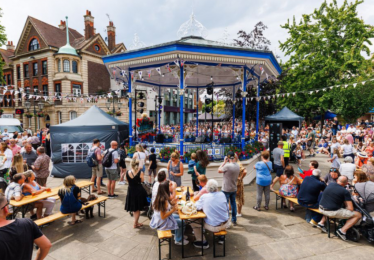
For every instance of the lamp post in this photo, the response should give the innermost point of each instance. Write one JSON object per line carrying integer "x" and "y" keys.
{"x": 158, "y": 111}
{"x": 40, "y": 105}
{"x": 108, "y": 104}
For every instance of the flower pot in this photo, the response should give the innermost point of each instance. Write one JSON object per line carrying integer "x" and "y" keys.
{"x": 28, "y": 116}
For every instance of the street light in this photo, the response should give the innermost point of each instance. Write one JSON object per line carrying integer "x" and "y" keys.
{"x": 40, "y": 106}
{"x": 108, "y": 104}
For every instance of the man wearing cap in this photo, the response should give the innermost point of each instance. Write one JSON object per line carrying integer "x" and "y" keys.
{"x": 230, "y": 170}
{"x": 309, "y": 196}
{"x": 278, "y": 156}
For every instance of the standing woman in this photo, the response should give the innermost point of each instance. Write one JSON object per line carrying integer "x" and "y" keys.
{"x": 18, "y": 166}
{"x": 7, "y": 159}
{"x": 202, "y": 163}
{"x": 141, "y": 156}
{"x": 347, "y": 149}
{"x": 175, "y": 169}
{"x": 136, "y": 198}
{"x": 240, "y": 188}
{"x": 47, "y": 144}
{"x": 263, "y": 179}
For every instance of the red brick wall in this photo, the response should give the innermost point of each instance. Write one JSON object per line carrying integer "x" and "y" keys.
{"x": 98, "y": 77}
{"x": 32, "y": 34}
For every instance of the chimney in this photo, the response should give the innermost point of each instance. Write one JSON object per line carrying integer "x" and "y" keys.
{"x": 62, "y": 25}
{"x": 89, "y": 29}
{"x": 111, "y": 36}
{"x": 10, "y": 46}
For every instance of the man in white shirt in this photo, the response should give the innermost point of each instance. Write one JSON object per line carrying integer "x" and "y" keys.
{"x": 294, "y": 132}
{"x": 5, "y": 135}
{"x": 112, "y": 172}
{"x": 351, "y": 129}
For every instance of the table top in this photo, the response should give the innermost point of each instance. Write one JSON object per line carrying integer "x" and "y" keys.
{"x": 182, "y": 216}
{"x": 54, "y": 191}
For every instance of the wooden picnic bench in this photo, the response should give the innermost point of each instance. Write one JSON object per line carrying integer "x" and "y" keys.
{"x": 164, "y": 235}
{"x": 100, "y": 201}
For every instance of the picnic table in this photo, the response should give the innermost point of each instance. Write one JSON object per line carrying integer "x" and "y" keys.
{"x": 44, "y": 195}
{"x": 188, "y": 219}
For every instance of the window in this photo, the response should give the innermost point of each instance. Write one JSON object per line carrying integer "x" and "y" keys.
{"x": 81, "y": 153}
{"x": 44, "y": 67}
{"x": 18, "y": 72}
{"x": 66, "y": 66}
{"x": 9, "y": 80}
{"x": 73, "y": 115}
{"x": 68, "y": 153}
{"x": 58, "y": 65}
{"x": 45, "y": 90}
{"x": 75, "y": 66}
{"x": 4, "y": 79}
{"x": 58, "y": 89}
{"x": 34, "y": 45}
{"x": 26, "y": 70}
{"x": 59, "y": 114}
{"x": 77, "y": 90}
{"x": 36, "y": 90}
{"x": 97, "y": 47}
{"x": 35, "y": 69}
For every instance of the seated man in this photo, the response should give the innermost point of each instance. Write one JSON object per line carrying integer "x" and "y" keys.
{"x": 309, "y": 195}
{"x": 214, "y": 204}
{"x": 331, "y": 206}
{"x": 14, "y": 192}
{"x": 312, "y": 166}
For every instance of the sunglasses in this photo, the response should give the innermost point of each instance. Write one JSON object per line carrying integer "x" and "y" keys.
{"x": 7, "y": 203}
{"x": 333, "y": 170}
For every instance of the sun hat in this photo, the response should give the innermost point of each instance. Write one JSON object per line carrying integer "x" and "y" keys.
{"x": 316, "y": 172}
{"x": 362, "y": 155}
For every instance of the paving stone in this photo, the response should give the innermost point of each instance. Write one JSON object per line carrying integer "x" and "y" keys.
{"x": 101, "y": 255}
{"x": 290, "y": 250}
{"x": 73, "y": 250}
{"x": 118, "y": 245}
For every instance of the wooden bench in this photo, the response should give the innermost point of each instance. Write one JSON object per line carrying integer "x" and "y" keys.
{"x": 164, "y": 235}
{"x": 218, "y": 234}
{"x": 100, "y": 201}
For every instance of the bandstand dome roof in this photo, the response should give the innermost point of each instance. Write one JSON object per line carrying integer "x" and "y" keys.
{"x": 204, "y": 61}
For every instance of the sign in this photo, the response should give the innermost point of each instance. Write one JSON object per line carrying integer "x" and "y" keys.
{"x": 19, "y": 111}
{"x": 7, "y": 116}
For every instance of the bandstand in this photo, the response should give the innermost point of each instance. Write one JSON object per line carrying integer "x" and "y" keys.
{"x": 193, "y": 63}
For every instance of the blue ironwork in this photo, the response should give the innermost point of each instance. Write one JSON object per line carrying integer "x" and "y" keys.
{"x": 197, "y": 113}
{"x": 233, "y": 111}
{"x": 130, "y": 115}
{"x": 181, "y": 113}
{"x": 159, "y": 111}
{"x": 243, "y": 107}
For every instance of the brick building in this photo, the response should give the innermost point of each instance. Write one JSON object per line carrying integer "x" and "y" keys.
{"x": 44, "y": 64}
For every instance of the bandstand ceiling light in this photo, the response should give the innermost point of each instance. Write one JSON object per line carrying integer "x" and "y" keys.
{"x": 163, "y": 75}
{"x": 211, "y": 78}
{"x": 244, "y": 94}
{"x": 107, "y": 104}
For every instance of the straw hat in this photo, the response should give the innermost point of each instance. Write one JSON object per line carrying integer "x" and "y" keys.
{"x": 362, "y": 155}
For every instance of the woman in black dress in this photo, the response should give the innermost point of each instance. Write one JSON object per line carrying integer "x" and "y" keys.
{"x": 136, "y": 198}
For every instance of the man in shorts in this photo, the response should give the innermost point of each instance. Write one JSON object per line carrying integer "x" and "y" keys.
{"x": 278, "y": 156}
{"x": 311, "y": 142}
{"x": 331, "y": 206}
{"x": 97, "y": 172}
{"x": 152, "y": 165}
{"x": 113, "y": 172}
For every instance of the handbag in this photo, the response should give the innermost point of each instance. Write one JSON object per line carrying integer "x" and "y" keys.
{"x": 288, "y": 190}
{"x": 267, "y": 166}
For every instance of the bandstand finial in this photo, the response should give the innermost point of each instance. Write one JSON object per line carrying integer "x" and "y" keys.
{"x": 192, "y": 27}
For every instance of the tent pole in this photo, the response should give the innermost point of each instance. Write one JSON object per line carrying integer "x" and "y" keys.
{"x": 233, "y": 112}
{"x": 243, "y": 107}
{"x": 181, "y": 96}
{"x": 130, "y": 113}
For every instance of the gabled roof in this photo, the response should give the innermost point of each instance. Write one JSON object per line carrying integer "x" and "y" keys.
{"x": 93, "y": 117}
{"x": 6, "y": 54}
{"x": 54, "y": 36}
{"x": 118, "y": 47}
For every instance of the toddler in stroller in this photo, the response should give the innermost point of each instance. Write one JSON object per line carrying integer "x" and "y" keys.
{"x": 148, "y": 188}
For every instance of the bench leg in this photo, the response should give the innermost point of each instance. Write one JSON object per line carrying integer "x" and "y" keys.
{"x": 328, "y": 227}
{"x": 159, "y": 249}
{"x": 170, "y": 248}
{"x": 224, "y": 246}
{"x": 214, "y": 246}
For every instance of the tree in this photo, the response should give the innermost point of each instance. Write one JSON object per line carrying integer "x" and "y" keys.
{"x": 2, "y": 42}
{"x": 327, "y": 48}
{"x": 255, "y": 39}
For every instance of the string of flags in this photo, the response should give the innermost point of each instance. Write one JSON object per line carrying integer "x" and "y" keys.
{"x": 282, "y": 95}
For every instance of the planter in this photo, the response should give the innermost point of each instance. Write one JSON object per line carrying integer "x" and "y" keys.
{"x": 164, "y": 160}
{"x": 40, "y": 115}
{"x": 168, "y": 140}
{"x": 29, "y": 116}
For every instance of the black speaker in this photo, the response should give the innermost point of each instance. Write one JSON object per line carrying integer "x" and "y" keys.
{"x": 225, "y": 140}
{"x": 275, "y": 135}
{"x": 200, "y": 139}
{"x": 160, "y": 138}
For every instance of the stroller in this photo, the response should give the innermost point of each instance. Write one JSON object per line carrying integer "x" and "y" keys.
{"x": 362, "y": 203}
{"x": 148, "y": 209}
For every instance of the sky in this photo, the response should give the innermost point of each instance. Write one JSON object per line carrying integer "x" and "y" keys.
{"x": 157, "y": 21}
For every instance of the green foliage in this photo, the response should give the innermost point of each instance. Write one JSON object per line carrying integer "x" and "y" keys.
{"x": 2, "y": 42}
{"x": 327, "y": 48}
{"x": 165, "y": 153}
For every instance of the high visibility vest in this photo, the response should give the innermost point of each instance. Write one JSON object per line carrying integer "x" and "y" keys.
{"x": 286, "y": 149}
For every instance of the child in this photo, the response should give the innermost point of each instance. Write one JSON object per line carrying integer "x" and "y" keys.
{"x": 298, "y": 151}
{"x": 152, "y": 165}
{"x": 191, "y": 166}
{"x": 335, "y": 163}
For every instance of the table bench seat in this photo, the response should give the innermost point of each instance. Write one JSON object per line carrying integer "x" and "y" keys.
{"x": 164, "y": 236}
{"x": 294, "y": 200}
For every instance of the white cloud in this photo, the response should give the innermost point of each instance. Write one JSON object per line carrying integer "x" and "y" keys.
{"x": 158, "y": 21}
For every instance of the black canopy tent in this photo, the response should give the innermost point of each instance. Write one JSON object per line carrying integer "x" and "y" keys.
{"x": 286, "y": 117}
{"x": 71, "y": 141}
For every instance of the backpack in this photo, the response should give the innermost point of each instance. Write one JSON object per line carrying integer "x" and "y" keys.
{"x": 122, "y": 157}
{"x": 108, "y": 158}
{"x": 91, "y": 158}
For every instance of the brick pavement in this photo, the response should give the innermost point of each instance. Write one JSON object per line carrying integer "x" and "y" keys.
{"x": 269, "y": 235}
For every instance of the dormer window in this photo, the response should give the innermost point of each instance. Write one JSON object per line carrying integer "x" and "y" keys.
{"x": 66, "y": 66}
{"x": 34, "y": 45}
{"x": 97, "y": 47}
